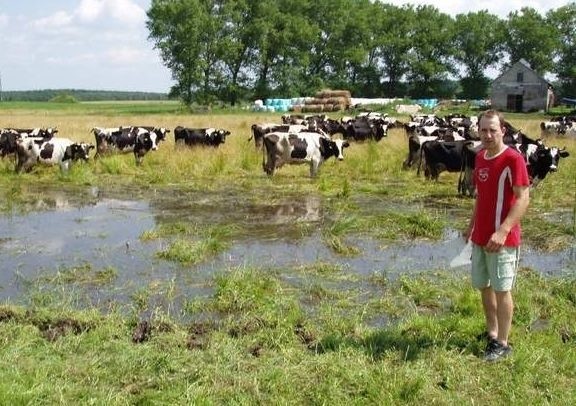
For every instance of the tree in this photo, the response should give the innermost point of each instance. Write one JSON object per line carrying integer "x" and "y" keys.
{"x": 179, "y": 30}
{"x": 432, "y": 46}
{"x": 392, "y": 26}
{"x": 477, "y": 49}
{"x": 563, "y": 20}
{"x": 530, "y": 37}
{"x": 237, "y": 53}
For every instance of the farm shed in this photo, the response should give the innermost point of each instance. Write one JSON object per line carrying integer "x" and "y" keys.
{"x": 521, "y": 89}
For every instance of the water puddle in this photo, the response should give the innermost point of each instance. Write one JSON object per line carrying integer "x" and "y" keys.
{"x": 97, "y": 229}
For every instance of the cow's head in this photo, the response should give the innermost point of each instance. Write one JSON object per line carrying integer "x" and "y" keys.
{"x": 145, "y": 141}
{"x": 160, "y": 133}
{"x": 219, "y": 136}
{"x": 77, "y": 151}
{"x": 544, "y": 160}
{"x": 49, "y": 132}
{"x": 333, "y": 148}
{"x": 381, "y": 130}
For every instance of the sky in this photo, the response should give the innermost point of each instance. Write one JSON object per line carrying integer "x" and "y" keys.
{"x": 104, "y": 45}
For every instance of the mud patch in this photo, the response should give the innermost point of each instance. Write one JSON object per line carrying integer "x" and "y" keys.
{"x": 141, "y": 332}
{"x": 53, "y": 330}
{"x": 198, "y": 334}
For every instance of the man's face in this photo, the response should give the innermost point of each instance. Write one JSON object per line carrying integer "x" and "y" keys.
{"x": 491, "y": 133}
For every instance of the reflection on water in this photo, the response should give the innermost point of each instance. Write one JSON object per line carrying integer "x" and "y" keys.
{"x": 53, "y": 231}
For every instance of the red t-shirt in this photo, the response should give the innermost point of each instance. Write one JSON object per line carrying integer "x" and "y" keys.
{"x": 494, "y": 178}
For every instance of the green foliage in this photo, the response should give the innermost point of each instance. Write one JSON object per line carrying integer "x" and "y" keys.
{"x": 76, "y": 95}
{"x": 254, "y": 49}
{"x": 63, "y": 98}
{"x": 528, "y": 36}
{"x": 563, "y": 21}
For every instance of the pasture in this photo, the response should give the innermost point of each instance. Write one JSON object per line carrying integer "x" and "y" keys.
{"x": 271, "y": 331}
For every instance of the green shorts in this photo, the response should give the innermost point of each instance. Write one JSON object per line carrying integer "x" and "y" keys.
{"x": 495, "y": 269}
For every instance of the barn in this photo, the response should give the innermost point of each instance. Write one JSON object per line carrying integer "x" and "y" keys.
{"x": 521, "y": 89}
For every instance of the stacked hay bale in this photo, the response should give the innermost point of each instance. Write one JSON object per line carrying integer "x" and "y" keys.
{"x": 328, "y": 100}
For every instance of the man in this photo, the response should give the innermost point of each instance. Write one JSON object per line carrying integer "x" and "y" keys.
{"x": 502, "y": 197}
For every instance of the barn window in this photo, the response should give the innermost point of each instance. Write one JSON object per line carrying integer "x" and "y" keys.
{"x": 520, "y": 77}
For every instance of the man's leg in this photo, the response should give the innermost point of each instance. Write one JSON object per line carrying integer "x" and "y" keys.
{"x": 490, "y": 305}
{"x": 504, "y": 312}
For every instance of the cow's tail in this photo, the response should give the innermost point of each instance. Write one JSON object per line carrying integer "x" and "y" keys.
{"x": 252, "y": 132}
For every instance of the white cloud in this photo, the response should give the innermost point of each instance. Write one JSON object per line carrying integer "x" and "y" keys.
{"x": 89, "y": 10}
{"x": 125, "y": 11}
{"x": 57, "y": 20}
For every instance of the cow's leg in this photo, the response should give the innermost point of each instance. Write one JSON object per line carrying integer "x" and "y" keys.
{"x": 314, "y": 165}
{"x": 138, "y": 158}
{"x": 65, "y": 166}
{"x": 270, "y": 164}
{"x": 25, "y": 166}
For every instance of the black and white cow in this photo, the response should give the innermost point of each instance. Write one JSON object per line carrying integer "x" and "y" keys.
{"x": 438, "y": 156}
{"x": 138, "y": 140}
{"x": 56, "y": 151}
{"x": 46, "y": 133}
{"x": 159, "y": 131}
{"x": 212, "y": 137}
{"x": 306, "y": 147}
{"x": 260, "y": 130}
{"x": 363, "y": 128}
{"x": 540, "y": 161}
{"x": 9, "y": 137}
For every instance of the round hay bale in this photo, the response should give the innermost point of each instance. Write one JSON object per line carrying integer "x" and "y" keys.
{"x": 313, "y": 108}
{"x": 327, "y": 93}
{"x": 337, "y": 100}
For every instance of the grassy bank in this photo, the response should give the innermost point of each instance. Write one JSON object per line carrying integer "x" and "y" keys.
{"x": 274, "y": 344}
{"x": 264, "y": 336}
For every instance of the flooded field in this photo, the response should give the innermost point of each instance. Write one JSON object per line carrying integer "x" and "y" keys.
{"x": 92, "y": 239}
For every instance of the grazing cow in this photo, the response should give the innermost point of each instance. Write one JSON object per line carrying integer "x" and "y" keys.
{"x": 332, "y": 127}
{"x": 303, "y": 119}
{"x": 260, "y": 130}
{"x": 9, "y": 137}
{"x": 438, "y": 156}
{"x": 46, "y": 133}
{"x": 568, "y": 129}
{"x": 414, "y": 144}
{"x": 212, "y": 137}
{"x": 61, "y": 151}
{"x": 286, "y": 148}
{"x": 540, "y": 160}
{"x": 159, "y": 131}
{"x": 362, "y": 129}
{"x": 8, "y": 142}
{"x": 138, "y": 140}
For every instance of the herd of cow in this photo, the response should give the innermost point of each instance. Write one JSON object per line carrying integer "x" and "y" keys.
{"x": 451, "y": 143}
{"x": 435, "y": 144}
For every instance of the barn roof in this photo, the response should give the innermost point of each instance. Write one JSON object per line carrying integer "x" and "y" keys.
{"x": 525, "y": 65}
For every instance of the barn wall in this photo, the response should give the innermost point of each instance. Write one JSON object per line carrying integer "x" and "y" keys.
{"x": 534, "y": 89}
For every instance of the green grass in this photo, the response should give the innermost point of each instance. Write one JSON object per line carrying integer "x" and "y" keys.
{"x": 276, "y": 345}
{"x": 310, "y": 334}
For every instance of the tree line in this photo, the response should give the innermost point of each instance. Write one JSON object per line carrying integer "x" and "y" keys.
{"x": 73, "y": 95}
{"x": 246, "y": 49}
